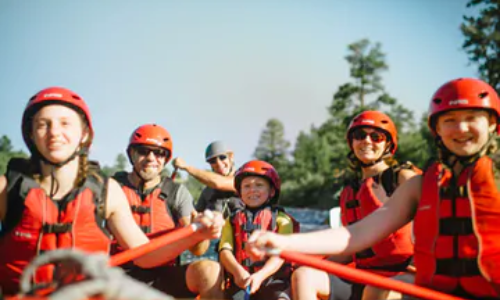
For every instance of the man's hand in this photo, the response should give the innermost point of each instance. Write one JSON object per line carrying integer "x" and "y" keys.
{"x": 179, "y": 163}
{"x": 211, "y": 222}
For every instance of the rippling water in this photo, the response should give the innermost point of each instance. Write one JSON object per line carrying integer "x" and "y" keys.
{"x": 310, "y": 219}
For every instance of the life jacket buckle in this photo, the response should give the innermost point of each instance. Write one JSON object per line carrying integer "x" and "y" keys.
{"x": 57, "y": 227}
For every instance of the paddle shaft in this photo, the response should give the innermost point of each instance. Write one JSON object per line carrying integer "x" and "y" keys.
{"x": 154, "y": 244}
{"x": 364, "y": 277}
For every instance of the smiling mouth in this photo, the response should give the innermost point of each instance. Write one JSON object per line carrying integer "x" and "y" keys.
{"x": 463, "y": 140}
{"x": 366, "y": 150}
{"x": 54, "y": 147}
{"x": 151, "y": 167}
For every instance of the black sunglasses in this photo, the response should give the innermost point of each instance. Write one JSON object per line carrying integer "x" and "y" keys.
{"x": 144, "y": 151}
{"x": 214, "y": 159}
{"x": 375, "y": 136}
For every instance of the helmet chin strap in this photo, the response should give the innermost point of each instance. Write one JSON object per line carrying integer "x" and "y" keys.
{"x": 142, "y": 181}
{"x": 54, "y": 184}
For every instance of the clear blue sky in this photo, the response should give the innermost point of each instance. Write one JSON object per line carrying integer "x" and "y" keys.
{"x": 210, "y": 70}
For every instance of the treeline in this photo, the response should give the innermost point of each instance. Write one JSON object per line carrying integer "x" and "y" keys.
{"x": 312, "y": 172}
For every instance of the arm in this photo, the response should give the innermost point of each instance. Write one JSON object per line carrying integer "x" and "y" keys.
{"x": 404, "y": 175}
{"x": 274, "y": 263}
{"x": 184, "y": 208}
{"x": 129, "y": 235}
{"x": 208, "y": 178}
{"x": 211, "y": 179}
{"x": 397, "y": 212}
{"x": 227, "y": 258}
{"x": 3, "y": 198}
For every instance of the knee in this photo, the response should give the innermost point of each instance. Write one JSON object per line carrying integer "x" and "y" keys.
{"x": 203, "y": 273}
{"x": 302, "y": 275}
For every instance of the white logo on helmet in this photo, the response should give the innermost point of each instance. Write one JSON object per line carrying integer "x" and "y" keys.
{"x": 52, "y": 95}
{"x": 458, "y": 102}
{"x": 250, "y": 169}
{"x": 369, "y": 121}
{"x": 153, "y": 140}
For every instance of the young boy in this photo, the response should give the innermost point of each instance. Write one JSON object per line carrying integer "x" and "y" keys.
{"x": 258, "y": 185}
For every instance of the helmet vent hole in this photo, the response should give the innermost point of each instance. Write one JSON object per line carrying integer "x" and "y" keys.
{"x": 138, "y": 135}
{"x": 384, "y": 122}
{"x": 483, "y": 95}
{"x": 437, "y": 101}
{"x": 76, "y": 97}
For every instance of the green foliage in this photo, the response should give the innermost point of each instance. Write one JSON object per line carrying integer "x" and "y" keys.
{"x": 120, "y": 165}
{"x": 273, "y": 147}
{"x": 315, "y": 172}
{"x": 7, "y": 152}
{"x": 416, "y": 146}
{"x": 482, "y": 39}
{"x": 367, "y": 62}
{"x": 194, "y": 187}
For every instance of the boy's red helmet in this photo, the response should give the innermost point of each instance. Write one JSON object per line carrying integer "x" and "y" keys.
{"x": 463, "y": 93}
{"x": 378, "y": 120}
{"x": 152, "y": 135}
{"x": 53, "y": 95}
{"x": 262, "y": 169}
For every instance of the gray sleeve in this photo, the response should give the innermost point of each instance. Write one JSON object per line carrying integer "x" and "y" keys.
{"x": 202, "y": 202}
{"x": 183, "y": 203}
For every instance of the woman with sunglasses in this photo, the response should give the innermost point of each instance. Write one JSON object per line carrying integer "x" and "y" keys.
{"x": 58, "y": 199}
{"x": 374, "y": 175}
{"x": 455, "y": 204}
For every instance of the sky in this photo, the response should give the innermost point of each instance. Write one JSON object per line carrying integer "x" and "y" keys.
{"x": 217, "y": 70}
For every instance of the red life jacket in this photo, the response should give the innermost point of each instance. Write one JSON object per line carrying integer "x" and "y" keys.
{"x": 35, "y": 224}
{"x": 457, "y": 230}
{"x": 391, "y": 255}
{"x": 244, "y": 222}
{"x": 149, "y": 210}
{"x": 153, "y": 212}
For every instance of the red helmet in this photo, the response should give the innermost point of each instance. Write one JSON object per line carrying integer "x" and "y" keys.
{"x": 152, "y": 135}
{"x": 53, "y": 95}
{"x": 378, "y": 120}
{"x": 259, "y": 168}
{"x": 463, "y": 93}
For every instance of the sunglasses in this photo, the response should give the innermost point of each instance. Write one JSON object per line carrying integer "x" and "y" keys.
{"x": 221, "y": 157}
{"x": 375, "y": 136}
{"x": 144, "y": 151}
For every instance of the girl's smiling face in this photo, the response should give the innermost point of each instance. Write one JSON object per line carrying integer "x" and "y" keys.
{"x": 58, "y": 131}
{"x": 464, "y": 132}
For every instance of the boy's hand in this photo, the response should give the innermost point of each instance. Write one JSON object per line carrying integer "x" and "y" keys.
{"x": 255, "y": 282}
{"x": 242, "y": 278}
